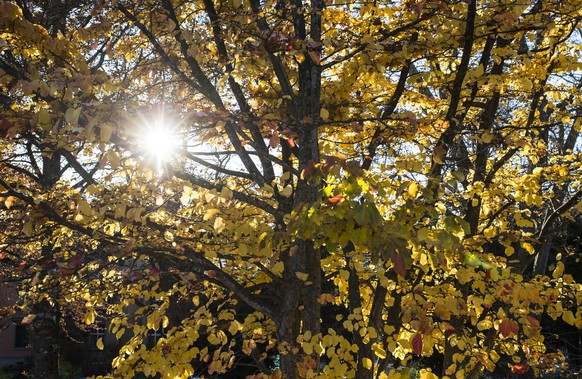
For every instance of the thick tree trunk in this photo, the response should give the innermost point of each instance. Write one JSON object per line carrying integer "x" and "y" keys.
{"x": 44, "y": 328}
{"x": 287, "y": 331}
{"x": 44, "y": 338}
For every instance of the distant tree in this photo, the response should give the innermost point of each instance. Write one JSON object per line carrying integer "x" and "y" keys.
{"x": 328, "y": 188}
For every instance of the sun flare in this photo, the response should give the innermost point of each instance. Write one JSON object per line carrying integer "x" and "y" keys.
{"x": 159, "y": 140}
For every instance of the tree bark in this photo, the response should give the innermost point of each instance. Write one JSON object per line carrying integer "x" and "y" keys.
{"x": 44, "y": 338}
{"x": 44, "y": 328}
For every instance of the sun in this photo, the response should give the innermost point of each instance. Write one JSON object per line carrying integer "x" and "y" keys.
{"x": 159, "y": 140}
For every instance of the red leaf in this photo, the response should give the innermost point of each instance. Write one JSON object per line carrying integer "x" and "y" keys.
{"x": 520, "y": 368}
{"x": 417, "y": 344}
{"x": 533, "y": 321}
{"x": 274, "y": 141}
{"x": 354, "y": 168}
{"x": 76, "y": 261}
{"x": 399, "y": 264}
{"x": 514, "y": 327}
{"x": 308, "y": 170}
{"x": 336, "y": 199}
{"x": 22, "y": 267}
{"x": 504, "y": 328}
{"x": 418, "y": 7}
{"x": 329, "y": 163}
{"x": 449, "y": 331}
{"x": 315, "y": 57}
{"x": 508, "y": 327}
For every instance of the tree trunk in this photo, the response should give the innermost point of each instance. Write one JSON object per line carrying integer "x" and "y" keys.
{"x": 44, "y": 338}
{"x": 44, "y": 328}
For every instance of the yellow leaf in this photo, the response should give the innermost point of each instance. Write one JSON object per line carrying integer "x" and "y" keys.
{"x": 509, "y": 250}
{"x": 422, "y": 234}
{"x": 219, "y": 225}
{"x": 234, "y": 327}
{"x": 490, "y": 232}
{"x": 72, "y": 115}
{"x": 494, "y": 356}
{"x": 120, "y": 210}
{"x": 367, "y": 363}
{"x": 210, "y": 213}
{"x": 287, "y": 191}
{"x": 380, "y": 352}
{"x": 487, "y": 137}
{"x": 558, "y": 271}
{"x": 105, "y": 132}
{"x": 9, "y": 201}
{"x": 325, "y": 298}
{"x": 526, "y": 83}
{"x": 89, "y": 317}
{"x": 84, "y": 208}
{"x": 412, "y": 189}
{"x": 484, "y": 325}
{"x": 100, "y": 344}
{"x": 226, "y": 193}
{"x": 344, "y": 274}
{"x": 424, "y": 374}
{"x": 569, "y": 317}
{"x": 302, "y": 276}
{"x": 278, "y": 268}
{"x": 324, "y": 114}
{"x": 528, "y": 247}
{"x": 27, "y": 229}
{"x": 307, "y": 348}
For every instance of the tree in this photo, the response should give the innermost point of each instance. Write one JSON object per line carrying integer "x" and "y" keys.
{"x": 31, "y": 127}
{"x": 401, "y": 167}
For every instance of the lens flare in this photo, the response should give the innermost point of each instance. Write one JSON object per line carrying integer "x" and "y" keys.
{"x": 159, "y": 140}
